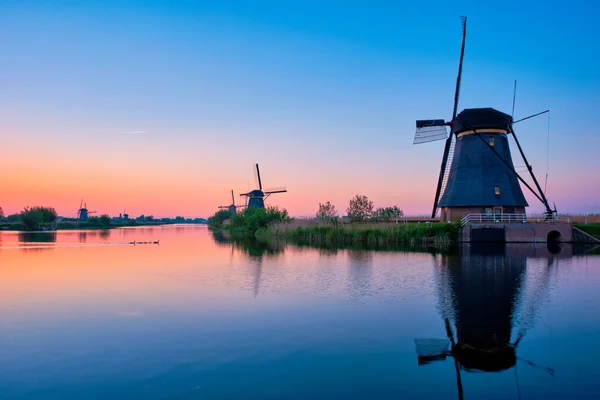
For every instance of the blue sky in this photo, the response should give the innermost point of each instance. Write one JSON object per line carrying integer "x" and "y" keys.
{"x": 323, "y": 94}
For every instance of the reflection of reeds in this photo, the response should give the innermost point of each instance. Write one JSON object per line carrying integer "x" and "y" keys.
{"x": 249, "y": 244}
{"x": 37, "y": 237}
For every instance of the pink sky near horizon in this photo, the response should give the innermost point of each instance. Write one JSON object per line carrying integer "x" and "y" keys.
{"x": 182, "y": 183}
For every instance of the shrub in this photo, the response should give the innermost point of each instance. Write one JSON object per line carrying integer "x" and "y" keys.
{"x": 104, "y": 220}
{"x": 31, "y": 217}
{"x": 216, "y": 221}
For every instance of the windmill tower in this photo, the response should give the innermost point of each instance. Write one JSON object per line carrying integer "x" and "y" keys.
{"x": 232, "y": 207}
{"x": 477, "y": 175}
{"x": 83, "y": 213}
{"x": 256, "y": 198}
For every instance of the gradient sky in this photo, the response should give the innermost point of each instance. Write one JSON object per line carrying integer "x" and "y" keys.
{"x": 162, "y": 107}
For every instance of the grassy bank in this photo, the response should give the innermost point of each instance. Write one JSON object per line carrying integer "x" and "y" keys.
{"x": 378, "y": 234}
{"x": 591, "y": 229}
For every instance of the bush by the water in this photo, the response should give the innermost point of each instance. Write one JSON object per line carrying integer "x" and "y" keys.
{"x": 249, "y": 220}
{"x": 33, "y": 217}
{"x": 216, "y": 221}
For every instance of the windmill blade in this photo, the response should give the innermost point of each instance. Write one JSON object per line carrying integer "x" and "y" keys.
{"x": 276, "y": 191}
{"x": 531, "y": 116}
{"x": 232, "y": 198}
{"x": 454, "y": 111}
{"x": 430, "y": 130}
{"x": 279, "y": 189}
{"x": 258, "y": 177}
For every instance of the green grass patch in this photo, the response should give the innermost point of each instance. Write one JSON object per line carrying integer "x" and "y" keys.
{"x": 591, "y": 229}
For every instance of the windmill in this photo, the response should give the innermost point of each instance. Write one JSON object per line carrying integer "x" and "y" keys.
{"x": 256, "y": 198}
{"x": 483, "y": 292}
{"x": 232, "y": 207}
{"x": 83, "y": 213}
{"x": 477, "y": 174}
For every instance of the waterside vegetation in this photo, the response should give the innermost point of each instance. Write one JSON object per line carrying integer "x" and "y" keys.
{"x": 378, "y": 234}
{"x": 250, "y": 220}
{"x": 363, "y": 225}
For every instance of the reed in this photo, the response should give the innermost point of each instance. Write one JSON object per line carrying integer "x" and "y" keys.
{"x": 437, "y": 234}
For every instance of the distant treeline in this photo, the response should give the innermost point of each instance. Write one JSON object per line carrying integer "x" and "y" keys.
{"x": 45, "y": 218}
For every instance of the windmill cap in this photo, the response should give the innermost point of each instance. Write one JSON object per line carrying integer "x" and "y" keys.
{"x": 480, "y": 118}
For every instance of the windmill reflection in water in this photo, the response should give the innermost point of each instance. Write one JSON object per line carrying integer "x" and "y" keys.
{"x": 484, "y": 293}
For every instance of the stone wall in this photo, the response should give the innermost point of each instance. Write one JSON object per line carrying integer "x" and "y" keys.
{"x": 535, "y": 232}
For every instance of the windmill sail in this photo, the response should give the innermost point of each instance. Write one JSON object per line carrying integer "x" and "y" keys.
{"x": 429, "y": 350}
{"x": 430, "y": 130}
{"x": 448, "y": 164}
{"x": 454, "y": 111}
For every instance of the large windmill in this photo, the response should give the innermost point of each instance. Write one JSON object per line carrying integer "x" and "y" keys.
{"x": 477, "y": 175}
{"x": 232, "y": 207}
{"x": 83, "y": 213}
{"x": 486, "y": 305}
{"x": 256, "y": 197}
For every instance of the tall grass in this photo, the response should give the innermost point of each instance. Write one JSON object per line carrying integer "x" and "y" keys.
{"x": 312, "y": 232}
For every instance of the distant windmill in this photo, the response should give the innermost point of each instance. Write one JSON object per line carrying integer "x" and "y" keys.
{"x": 256, "y": 197}
{"x": 83, "y": 213}
{"x": 232, "y": 207}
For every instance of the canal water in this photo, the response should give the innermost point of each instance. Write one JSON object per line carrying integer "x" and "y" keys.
{"x": 89, "y": 315}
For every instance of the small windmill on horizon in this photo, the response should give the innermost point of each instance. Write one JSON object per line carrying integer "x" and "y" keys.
{"x": 232, "y": 207}
{"x": 257, "y": 197}
{"x": 83, "y": 213}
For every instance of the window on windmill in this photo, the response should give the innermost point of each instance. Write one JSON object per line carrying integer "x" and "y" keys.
{"x": 488, "y": 211}
{"x": 492, "y": 141}
{"x": 497, "y": 190}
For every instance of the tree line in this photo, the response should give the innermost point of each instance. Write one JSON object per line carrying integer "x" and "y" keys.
{"x": 36, "y": 217}
{"x": 360, "y": 209}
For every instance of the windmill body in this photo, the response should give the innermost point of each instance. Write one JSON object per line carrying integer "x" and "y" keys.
{"x": 480, "y": 182}
{"x": 256, "y": 198}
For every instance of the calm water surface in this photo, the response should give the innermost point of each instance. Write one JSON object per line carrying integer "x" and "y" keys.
{"x": 84, "y": 315}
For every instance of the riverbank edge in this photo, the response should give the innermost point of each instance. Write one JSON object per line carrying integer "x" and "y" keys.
{"x": 592, "y": 229}
{"x": 73, "y": 226}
